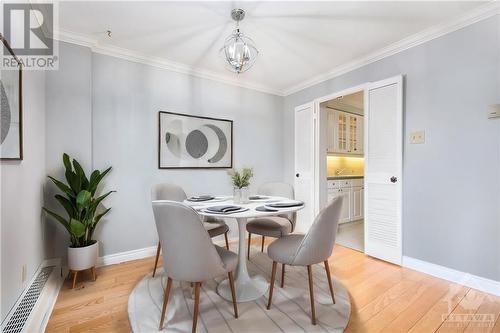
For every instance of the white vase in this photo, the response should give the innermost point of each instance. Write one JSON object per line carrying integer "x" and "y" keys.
{"x": 244, "y": 196}
{"x": 81, "y": 258}
{"x": 236, "y": 195}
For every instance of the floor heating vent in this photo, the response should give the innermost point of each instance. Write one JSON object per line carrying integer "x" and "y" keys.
{"x": 22, "y": 312}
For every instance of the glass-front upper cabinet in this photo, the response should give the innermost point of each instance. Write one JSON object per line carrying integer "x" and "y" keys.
{"x": 341, "y": 120}
{"x": 345, "y": 133}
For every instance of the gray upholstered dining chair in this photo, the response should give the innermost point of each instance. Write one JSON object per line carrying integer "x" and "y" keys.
{"x": 273, "y": 226}
{"x": 306, "y": 250}
{"x": 165, "y": 191}
{"x": 193, "y": 259}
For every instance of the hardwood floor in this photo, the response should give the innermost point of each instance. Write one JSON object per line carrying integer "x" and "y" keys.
{"x": 384, "y": 297}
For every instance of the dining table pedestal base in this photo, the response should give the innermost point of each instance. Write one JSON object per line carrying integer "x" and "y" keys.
{"x": 254, "y": 288}
{"x": 247, "y": 288}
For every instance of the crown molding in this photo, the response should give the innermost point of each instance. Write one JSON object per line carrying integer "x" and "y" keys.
{"x": 483, "y": 12}
{"x": 75, "y": 38}
{"x": 127, "y": 54}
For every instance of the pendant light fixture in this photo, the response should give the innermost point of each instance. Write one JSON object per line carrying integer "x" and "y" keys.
{"x": 239, "y": 51}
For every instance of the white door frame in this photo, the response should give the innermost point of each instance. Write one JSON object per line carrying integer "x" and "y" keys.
{"x": 320, "y": 193}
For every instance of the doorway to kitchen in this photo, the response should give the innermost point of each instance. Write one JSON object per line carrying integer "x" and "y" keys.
{"x": 336, "y": 140}
{"x": 345, "y": 164}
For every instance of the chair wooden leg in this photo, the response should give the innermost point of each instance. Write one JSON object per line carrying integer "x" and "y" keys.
{"x": 282, "y": 275}
{"x": 75, "y": 273}
{"x": 262, "y": 245}
{"x": 248, "y": 251}
{"x": 327, "y": 269}
{"x": 158, "y": 249}
{"x": 197, "y": 287}
{"x": 271, "y": 285}
{"x": 227, "y": 241}
{"x": 233, "y": 293}
{"x": 166, "y": 294}
{"x": 311, "y": 294}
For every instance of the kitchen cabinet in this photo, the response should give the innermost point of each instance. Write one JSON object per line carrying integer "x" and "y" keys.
{"x": 345, "y": 212}
{"x": 357, "y": 207}
{"x": 352, "y": 192}
{"x": 345, "y": 133}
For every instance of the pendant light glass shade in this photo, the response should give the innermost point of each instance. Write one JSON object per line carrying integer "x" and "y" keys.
{"x": 239, "y": 51}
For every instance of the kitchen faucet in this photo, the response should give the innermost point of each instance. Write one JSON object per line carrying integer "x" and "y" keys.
{"x": 338, "y": 172}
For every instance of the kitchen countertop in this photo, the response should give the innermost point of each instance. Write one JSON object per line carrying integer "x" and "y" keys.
{"x": 344, "y": 177}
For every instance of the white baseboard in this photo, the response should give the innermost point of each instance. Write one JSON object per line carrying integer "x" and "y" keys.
{"x": 463, "y": 278}
{"x": 145, "y": 252}
{"x": 119, "y": 257}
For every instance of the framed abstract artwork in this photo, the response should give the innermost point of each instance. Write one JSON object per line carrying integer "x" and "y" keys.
{"x": 191, "y": 142}
{"x": 11, "y": 130}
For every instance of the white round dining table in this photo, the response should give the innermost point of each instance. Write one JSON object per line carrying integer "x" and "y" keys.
{"x": 248, "y": 288}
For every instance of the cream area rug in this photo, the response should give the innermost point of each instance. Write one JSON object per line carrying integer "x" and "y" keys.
{"x": 290, "y": 311}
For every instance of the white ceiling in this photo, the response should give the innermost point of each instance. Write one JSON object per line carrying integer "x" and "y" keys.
{"x": 297, "y": 40}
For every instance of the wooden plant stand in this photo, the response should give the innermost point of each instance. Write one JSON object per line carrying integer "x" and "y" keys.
{"x": 75, "y": 273}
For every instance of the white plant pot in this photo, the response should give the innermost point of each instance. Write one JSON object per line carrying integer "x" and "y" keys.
{"x": 81, "y": 258}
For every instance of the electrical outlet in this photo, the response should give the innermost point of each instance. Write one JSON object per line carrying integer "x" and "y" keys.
{"x": 417, "y": 137}
{"x": 23, "y": 273}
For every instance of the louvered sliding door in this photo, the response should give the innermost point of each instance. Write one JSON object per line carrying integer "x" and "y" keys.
{"x": 383, "y": 169}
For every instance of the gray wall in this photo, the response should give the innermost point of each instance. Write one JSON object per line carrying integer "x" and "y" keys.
{"x": 125, "y": 100}
{"x": 22, "y": 197}
{"x": 68, "y": 127}
{"x": 451, "y": 183}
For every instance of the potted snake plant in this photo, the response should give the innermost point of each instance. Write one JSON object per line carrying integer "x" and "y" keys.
{"x": 81, "y": 204}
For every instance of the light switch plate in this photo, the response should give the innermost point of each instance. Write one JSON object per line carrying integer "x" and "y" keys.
{"x": 417, "y": 137}
{"x": 494, "y": 111}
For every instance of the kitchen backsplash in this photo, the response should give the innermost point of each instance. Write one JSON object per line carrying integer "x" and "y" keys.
{"x": 344, "y": 166}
